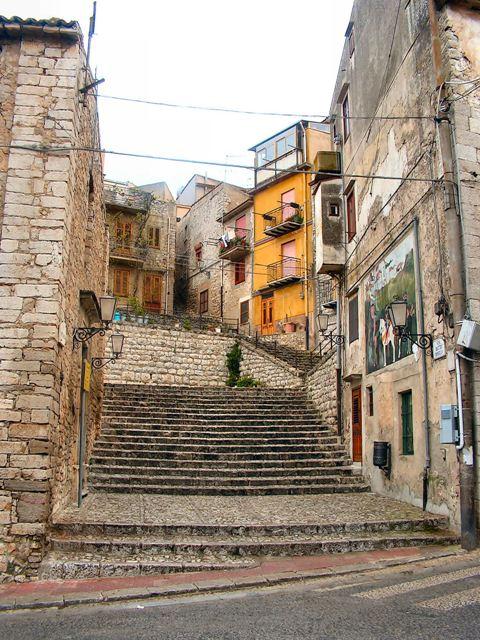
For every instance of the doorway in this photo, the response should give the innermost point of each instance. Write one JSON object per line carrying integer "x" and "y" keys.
{"x": 357, "y": 424}
{"x": 152, "y": 291}
{"x": 267, "y": 316}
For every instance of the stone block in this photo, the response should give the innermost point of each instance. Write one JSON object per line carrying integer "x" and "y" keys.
{"x": 33, "y": 507}
{"x": 58, "y": 163}
{"x": 30, "y": 529}
{"x": 42, "y": 416}
{"x": 57, "y": 235}
{"x": 32, "y": 401}
{"x": 30, "y": 461}
{"x": 35, "y": 290}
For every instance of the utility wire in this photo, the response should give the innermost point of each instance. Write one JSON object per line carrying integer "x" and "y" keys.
{"x": 256, "y": 113}
{"x": 44, "y": 149}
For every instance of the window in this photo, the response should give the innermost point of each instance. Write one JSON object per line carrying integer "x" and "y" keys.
{"x": 239, "y": 272}
{"x": 154, "y": 237}
{"x": 370, "y": 400}
{"x": 241, "y": 227}
{"x": 346, "y": 117}
{"x": 351, "y": 215}
{"x": 351, "y": 42}
{"x": 121, "y": 279}
{"x": 123, "y": 233}
{"x": 333, "y": 210}
{"x": 198, "y": 251}
{"x": 286, "y": 199}
{"x": 353, "y": 319}
{"x": 407, "y": 423}
{"x": 244, "y": 312}
{"x": 203, "y": 306}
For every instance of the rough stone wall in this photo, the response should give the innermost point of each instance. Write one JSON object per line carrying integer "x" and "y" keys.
{"x": 165, "y": 356}
{"x": 321, "y": 386}
{"x": 128, "y": 203}
{"x": 397, "y": 85}
{"x": 47, "y": 218}
{"x": 201, "y": 226}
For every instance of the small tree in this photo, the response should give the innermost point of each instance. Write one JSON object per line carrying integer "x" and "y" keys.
{"x": 234, "y": 357}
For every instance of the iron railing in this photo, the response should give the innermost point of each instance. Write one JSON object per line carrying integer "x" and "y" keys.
{"x": 288, "y": 268}
{"x": 176, "y": 320}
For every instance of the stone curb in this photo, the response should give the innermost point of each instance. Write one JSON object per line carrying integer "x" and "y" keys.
{"x": 206, "y": 586}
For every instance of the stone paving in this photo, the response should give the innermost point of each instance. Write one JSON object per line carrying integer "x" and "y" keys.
{"x": 144, "y": 509}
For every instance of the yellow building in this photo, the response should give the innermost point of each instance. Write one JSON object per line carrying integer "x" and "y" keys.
{"x": 283, "y": 298}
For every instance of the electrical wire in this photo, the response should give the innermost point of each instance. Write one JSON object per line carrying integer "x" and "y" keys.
{"x": 255, "y": 113}
{"x": 44, "y": 149}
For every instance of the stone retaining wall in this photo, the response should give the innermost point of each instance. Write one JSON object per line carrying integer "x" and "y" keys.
{"x": 168, "y": 356}
{"x": 321, "y": 386}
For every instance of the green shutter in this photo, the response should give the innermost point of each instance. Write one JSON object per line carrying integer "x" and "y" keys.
{"x": 407, "y": 423}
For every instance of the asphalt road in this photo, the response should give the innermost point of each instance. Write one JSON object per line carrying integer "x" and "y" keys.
{"x": 416, "y": 602}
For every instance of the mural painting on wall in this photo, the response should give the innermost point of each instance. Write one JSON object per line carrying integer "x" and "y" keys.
{"x": 392, "y": 278}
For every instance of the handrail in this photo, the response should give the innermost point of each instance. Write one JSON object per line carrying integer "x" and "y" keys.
{"x": 196, "y": 321}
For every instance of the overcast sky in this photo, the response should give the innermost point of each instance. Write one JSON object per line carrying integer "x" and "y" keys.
{"x": 262, "y": 55}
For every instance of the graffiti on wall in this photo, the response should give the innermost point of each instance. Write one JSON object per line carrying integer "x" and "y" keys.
{"x": 392, "y": 278}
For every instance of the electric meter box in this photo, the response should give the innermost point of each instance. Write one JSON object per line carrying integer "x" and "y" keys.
{"x": 469, "y": 335}
{"x": 448, "y": 424}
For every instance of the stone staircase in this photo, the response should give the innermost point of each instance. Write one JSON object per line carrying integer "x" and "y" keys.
{"x": 304, "y": 361}
{"x": 216, "y": 441}
{"x": 212, "y": 478}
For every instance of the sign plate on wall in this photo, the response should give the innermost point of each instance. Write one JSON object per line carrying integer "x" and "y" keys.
{"x": 439, "y": 348}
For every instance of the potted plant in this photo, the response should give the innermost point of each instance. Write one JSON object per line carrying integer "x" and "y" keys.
{"x": 289, "y": 326}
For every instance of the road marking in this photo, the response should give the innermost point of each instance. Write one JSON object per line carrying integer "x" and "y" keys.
{"x": 415, "y": 585}
{"x": 453, "y": 600}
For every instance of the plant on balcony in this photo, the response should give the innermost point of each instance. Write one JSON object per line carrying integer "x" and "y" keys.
{"x": 295, "y": 218}
{"x": 135, "y": 306}
{"x": 234, "y": 242}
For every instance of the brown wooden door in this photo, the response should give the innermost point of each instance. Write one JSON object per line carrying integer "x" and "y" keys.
{"x": 267, "y": 316}
{"x": 357, "y": 425}
{"x": 152, "y": 292}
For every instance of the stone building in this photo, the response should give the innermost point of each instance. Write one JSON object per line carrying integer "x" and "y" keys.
{"x": 197, "y": 187}
{"x": 142, "y": 222}
{"x": 214, "y": 260}
{"x": 405, "y": 119}
{"x": 53, "y": 264}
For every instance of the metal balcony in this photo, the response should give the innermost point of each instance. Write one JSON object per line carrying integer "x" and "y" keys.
{"x": 275, "y": 226}
{"x": 284, "y": 272}
{"x": 236, "y": 249}
{"x": 127, "y": 253}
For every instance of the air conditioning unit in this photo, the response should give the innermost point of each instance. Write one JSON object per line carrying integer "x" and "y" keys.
{"x": 328, "y": 161}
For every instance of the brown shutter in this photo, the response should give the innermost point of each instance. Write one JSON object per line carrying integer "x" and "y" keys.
{"x": 353, "y": 319}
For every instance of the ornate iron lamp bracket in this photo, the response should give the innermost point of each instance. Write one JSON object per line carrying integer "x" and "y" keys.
{"x": 84, "y": 334}
{"x": 98, "y": 363}
{"x": 422, "y": 340}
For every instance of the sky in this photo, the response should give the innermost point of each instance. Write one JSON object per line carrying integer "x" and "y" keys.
{"x": 257, "y": 55}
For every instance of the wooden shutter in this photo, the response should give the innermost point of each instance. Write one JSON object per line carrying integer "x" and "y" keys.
{"x": 357, "y": 425}
{"x": 244, "y": 312}
{"x": 239, "y": 272}
{"x": 353, "y": 319}
{"x": 124, "y": 287}
{"x": 351, "y": 216}
{"x": 157, "y": 237}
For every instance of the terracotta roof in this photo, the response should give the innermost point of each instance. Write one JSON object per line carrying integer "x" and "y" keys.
{"x": 50, "y": 26}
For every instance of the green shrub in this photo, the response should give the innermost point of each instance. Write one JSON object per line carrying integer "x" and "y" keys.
{"x": 136, "y": 306}
{"x": 234, "y": 357}
{"x": 247, "y": 381}
{"x": 187, "y": 324}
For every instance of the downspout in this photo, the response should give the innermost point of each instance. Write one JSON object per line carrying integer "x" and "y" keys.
{"x": 305, "y": 247}
{"x": 423, "y": 356}
{"x": 167, "y": 279}
{"x": 457, "y": 295}
{"x": 314, "y": 271}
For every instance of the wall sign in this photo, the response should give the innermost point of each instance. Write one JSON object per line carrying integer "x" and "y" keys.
{"x": 438, "y": 347}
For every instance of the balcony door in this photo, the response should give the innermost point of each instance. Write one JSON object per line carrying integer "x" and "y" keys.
{"x": 152, "y": 291}
{"x": 289, "y": 262}
{"x": 357, "y": 424}
{"x": 267, "y": 316}
{"x": 287, "y": 210}
{"x": 241, "y": 227}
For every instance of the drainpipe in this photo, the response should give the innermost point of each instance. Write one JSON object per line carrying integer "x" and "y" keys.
{"x": 82, "y": 432}
{"x": 305, "y": 247}
{"x": 167, "y": 279}
{"x": 423, "y": 356}
{"x": 457, "y": 294}
{"x": 338, "y": 363}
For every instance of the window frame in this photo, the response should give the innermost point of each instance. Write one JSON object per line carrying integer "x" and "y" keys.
{"x": 406, "y": 418}
{"x": 351, "y": 213}
{"x": 333, "y": 206}
{"x": 351, "y": 42}
{"x": 244, "y": 318}
{"x": 203, "y": 302}
{"x": 123, "y": 291}
{"x": 354, "y": 335}
{"x": 239, "y": 272}
{"x": 154, "y": 237}
{"x": 346, "y": 116}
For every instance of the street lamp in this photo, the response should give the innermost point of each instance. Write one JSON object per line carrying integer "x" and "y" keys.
{"x": 323, "y": 319}
{"x": 107, "y": 310}
{"x": 398, "y": 310}
{"x": 117, "y": 348}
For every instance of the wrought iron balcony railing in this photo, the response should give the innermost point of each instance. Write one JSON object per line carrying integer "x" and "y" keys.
{"x": 234, "y": 249}
{"x": 284, "y": 271}
{"x": 279, "y": 224}
{"x": 128, "y": 252}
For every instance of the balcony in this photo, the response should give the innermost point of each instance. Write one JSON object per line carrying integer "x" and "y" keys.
{"x": 284, "y": 272}
{"x": 278, "y": 167}
{"x": 276, "y": 226}
{"x": 235, "y": 249}
{"x": 128, "y": 253}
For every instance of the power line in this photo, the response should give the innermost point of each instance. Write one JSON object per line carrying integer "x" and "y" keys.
{"x": 255, "y": 113}
{"x": 327, "y": 174}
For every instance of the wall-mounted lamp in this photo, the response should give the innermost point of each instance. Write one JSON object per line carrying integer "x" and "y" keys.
{"x": 323, "y": 319}
{"x": 398, "y": 310}
{"x": 117, "y": 348}
{"x": 107, "y": 311}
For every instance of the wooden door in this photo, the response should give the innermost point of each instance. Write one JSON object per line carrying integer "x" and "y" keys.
{"x": 357, "y": 425}
{"x": 152, "y": 291}
{"x": 267, "y": 316}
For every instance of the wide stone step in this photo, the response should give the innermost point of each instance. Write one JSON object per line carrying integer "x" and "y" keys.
{"x": 85, "y": 558}
{"x": 225, "y": 490}
{"x": 200, "y": 427}
{"x": 110, "y": 458}
{"x": 239, "y": 421}
{"x": 236, "y": 434}
{"x": 108, "y": 435}
{"x": 114, "y": 468}
{"x": 218, "y": 453}
{"x": 218, "y": 445}
{"x": 172, "y": 412}
{"x": 98, "y": 477}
